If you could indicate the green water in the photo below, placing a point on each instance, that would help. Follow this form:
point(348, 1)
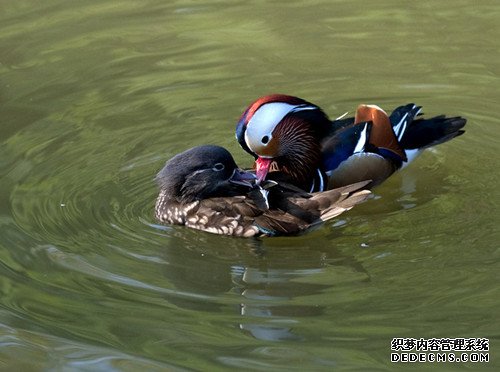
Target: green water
point(96, 95)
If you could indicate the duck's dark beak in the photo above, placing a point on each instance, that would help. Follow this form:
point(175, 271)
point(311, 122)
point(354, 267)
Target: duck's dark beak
point(243, 178)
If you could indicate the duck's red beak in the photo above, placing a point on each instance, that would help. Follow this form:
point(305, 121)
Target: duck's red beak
point(262, 166)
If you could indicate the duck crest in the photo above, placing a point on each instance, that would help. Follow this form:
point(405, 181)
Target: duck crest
point(256, 126)
point(257, 104)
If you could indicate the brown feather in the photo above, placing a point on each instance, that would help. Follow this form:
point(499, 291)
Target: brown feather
point(381, 134)
point(360, 167)
point(299, 151)
point(239, 216)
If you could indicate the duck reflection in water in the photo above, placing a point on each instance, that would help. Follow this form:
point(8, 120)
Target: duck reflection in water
point(264, 287)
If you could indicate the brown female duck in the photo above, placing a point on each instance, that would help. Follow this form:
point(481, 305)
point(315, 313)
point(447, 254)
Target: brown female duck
point(202, 188)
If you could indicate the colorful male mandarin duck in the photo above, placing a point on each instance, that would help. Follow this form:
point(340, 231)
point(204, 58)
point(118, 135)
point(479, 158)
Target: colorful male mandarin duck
point(202, 188)
point(296, 137)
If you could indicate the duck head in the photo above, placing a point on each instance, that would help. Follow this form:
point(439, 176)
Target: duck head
point(202, 172)
point(283, 133)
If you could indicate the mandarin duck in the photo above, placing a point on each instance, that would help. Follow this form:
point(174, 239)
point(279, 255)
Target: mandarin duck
point(202, 188)
point(296, 138)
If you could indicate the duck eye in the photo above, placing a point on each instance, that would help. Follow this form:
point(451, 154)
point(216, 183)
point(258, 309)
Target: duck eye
point(265, 139)
point(218, 167)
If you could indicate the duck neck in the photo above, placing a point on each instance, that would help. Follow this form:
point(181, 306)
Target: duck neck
point(300, 156)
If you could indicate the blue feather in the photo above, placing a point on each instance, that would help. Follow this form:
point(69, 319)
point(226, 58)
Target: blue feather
point(346, 142)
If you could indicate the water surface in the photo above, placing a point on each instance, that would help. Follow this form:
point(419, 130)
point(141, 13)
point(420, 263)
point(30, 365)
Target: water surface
point(95, 96)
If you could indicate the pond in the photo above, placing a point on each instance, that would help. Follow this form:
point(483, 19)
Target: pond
point(95, 96)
